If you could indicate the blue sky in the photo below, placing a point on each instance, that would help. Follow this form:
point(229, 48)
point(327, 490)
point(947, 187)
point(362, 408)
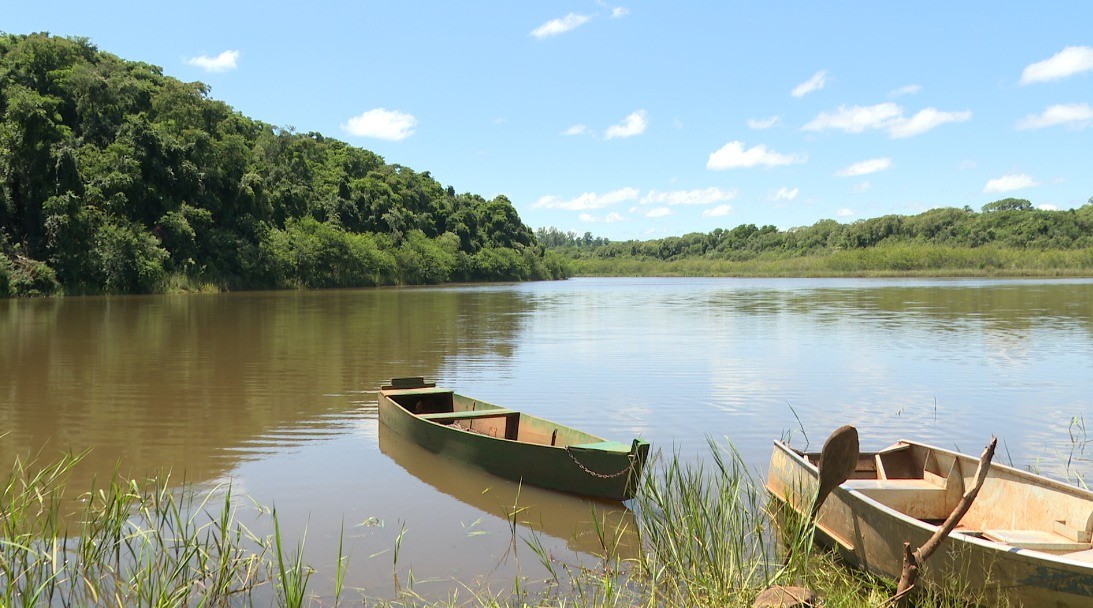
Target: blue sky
point(648, 119)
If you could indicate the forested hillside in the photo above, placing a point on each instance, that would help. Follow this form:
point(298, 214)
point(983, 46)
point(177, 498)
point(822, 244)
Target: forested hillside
point(1006, 235)
point(117, 179)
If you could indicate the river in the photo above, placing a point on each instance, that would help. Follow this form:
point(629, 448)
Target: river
point(274, 393)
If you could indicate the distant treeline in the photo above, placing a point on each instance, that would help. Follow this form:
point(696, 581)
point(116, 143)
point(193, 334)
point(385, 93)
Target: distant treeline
point(117, 179)
point(1006, 234)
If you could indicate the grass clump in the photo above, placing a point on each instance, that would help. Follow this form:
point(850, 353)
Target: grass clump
point(130, 543)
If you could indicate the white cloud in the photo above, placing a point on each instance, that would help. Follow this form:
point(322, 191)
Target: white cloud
point(785, 194)
point(887, 116)
point(659, 212)
point(1008, 183)
point(381, 123)
point(1047, 207)
point(614, 217)
point(588, 200)
point(634, 124)
point(706, 196)
point(763, 123)
point(856, 119)
point(865, 167)
point(619, 11)
point(845, 212)
point(1076, 115)
point(586, 217)
point(576, 130)
point(560, 26)
point(718, 211)
point(221, 63)
point(817, 82)
point(1067, 62)
point(862, 187)
point(968, 163)
point(733, 156)
point(924, 121)
point(910, 89)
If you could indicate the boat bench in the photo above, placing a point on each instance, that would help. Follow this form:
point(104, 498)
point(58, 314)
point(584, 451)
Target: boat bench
point(917, 498)
point(467, 415)
point(1038, 540)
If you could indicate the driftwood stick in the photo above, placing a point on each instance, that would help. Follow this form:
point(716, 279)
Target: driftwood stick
point(912, 560)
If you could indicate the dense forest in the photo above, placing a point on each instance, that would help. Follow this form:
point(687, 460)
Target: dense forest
point(117, 179)
point(1006, 235)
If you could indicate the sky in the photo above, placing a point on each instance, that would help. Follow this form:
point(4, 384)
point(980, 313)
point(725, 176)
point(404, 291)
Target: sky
point(640, 120)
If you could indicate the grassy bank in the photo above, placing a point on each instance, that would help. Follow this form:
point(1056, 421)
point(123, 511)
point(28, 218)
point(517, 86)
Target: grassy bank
point(886, 261)
point(707, 535)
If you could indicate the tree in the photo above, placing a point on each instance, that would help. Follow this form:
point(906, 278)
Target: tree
point(1008, 204)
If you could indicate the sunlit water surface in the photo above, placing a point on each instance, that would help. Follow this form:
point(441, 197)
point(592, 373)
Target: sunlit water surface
point(274, 393)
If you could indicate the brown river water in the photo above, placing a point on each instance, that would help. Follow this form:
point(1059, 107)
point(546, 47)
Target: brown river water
point(274, 394)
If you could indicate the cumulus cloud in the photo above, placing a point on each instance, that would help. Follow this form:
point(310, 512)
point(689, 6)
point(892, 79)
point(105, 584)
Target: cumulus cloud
point(887, 116)
point(1008, 183)
point(1067, 62)
point(924, 121)
point(817, 82)
point(706, 196)
point(855, 119)
point(865, 167)
point(586, 217)
point(910, 89)
point(1047, 207)
point(733, 156)
point(862, 187)
point(560, 26)
point(619, 11)
point(588, 200)
point(763, 123)
point(1076, 115)
point(659, 212)
point(718, 211)
point(228, 60)
point(845, 212)
point(613, 217)
point(381, 123)
point(785, 194)
point(634, 124)
point(576, 130)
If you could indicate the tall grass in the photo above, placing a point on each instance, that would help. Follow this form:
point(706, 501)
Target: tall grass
point(132, 543)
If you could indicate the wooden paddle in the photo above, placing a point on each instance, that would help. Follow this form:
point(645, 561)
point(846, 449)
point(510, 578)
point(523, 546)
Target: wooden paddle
point(838, 459)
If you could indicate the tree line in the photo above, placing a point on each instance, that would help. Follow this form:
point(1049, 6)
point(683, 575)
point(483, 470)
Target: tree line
point(1009, 223)
point(117, 179)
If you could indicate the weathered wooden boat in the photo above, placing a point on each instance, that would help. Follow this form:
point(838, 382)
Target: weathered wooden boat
point(1026, 538)
point(511, 444)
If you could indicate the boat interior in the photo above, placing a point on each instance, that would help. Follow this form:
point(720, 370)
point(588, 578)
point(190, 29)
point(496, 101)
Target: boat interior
point(1013, 507)
point(445, 407)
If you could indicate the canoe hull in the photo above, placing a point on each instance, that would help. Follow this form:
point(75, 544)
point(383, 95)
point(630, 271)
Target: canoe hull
point(517, 446)
point(869, 534)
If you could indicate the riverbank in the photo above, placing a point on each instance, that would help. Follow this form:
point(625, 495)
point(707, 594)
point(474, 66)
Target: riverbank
point(890, 261)
point(708, 540)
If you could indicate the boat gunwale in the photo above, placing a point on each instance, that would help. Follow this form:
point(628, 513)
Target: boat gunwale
point(1032, 554)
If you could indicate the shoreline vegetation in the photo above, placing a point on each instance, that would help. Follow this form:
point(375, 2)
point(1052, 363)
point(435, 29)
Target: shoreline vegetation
point(708, 538)
point(1007, 238)
point(117, 179)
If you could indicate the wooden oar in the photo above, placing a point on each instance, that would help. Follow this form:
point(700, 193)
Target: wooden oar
point(838, 459)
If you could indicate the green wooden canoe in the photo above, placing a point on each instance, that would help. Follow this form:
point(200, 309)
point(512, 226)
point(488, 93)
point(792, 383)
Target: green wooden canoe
point(511, 444)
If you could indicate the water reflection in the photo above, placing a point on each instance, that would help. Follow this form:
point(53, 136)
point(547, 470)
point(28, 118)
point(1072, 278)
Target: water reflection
point(576, 521)
point(197, 383)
